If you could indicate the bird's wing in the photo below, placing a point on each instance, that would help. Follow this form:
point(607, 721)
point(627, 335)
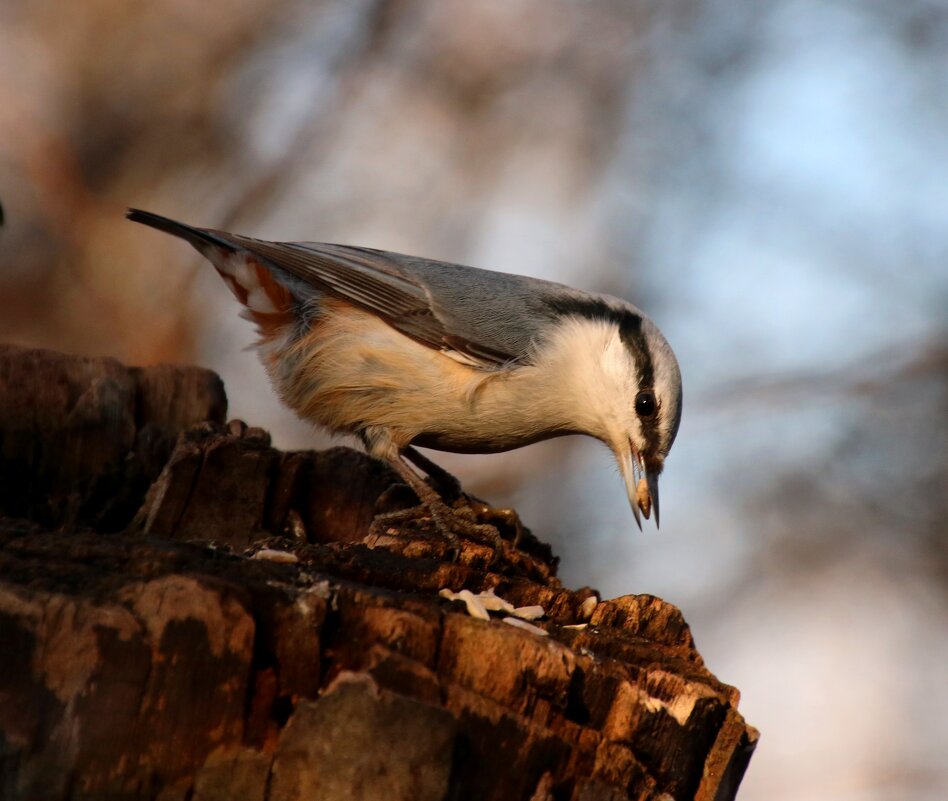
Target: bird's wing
point(485, 318)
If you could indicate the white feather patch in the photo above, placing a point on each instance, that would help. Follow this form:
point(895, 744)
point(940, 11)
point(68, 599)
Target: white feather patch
point(258, 300)
point(461, 358)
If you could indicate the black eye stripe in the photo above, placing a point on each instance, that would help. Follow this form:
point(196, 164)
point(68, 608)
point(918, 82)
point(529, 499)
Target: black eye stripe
point(631, 328)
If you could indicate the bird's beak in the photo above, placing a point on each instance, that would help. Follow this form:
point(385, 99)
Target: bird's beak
point(641, 483)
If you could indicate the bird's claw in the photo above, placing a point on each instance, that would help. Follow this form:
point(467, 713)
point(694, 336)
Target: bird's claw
point(481, 510)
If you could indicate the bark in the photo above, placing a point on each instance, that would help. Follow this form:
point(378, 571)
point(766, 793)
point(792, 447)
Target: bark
point(189, 613)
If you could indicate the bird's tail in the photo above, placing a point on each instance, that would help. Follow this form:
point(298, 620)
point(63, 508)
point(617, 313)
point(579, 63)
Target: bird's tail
point(259, 286)
point(199, 237)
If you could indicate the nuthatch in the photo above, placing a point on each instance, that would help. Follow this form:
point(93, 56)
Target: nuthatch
point(404, 351)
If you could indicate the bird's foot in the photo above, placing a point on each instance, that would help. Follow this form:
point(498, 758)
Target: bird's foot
point(475, 509)
point(461, 519)
point(449, 522)
point(402, 516)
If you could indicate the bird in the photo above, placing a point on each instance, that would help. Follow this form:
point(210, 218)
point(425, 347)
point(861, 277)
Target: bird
point(406, 352)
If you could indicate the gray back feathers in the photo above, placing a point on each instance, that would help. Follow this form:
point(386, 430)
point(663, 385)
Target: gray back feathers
point(492, 318)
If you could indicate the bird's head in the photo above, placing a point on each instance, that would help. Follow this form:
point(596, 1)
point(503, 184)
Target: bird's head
point(649, 422)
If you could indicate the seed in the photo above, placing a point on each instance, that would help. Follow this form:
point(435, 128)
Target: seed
point(642, 498)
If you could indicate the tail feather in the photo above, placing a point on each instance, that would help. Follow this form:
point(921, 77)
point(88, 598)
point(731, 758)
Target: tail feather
point(258, 285)
point(199, 237)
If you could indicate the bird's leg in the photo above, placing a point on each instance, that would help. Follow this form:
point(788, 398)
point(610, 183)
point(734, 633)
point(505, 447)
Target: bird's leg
point(448, 485)
point(451, 487)
point(430, 500)
point(445, 518)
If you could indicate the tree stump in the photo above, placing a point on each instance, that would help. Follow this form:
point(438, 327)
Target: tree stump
point(188, 614)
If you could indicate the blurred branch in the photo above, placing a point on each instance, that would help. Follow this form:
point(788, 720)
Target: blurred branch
point(873, 375)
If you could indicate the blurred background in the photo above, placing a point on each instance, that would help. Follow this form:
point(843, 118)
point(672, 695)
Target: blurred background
point(768, 180)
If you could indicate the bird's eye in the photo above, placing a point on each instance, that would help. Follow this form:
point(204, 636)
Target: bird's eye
point(645, 403)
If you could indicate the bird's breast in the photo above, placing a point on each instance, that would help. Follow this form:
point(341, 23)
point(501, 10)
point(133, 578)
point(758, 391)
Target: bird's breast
point(351, 370)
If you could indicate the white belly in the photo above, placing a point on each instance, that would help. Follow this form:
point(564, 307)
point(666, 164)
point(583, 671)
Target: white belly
point(354, 372)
